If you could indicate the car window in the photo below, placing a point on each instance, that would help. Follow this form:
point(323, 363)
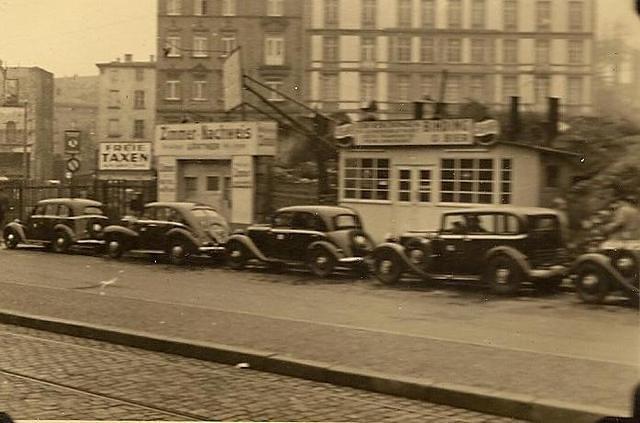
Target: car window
point(92, 210)
point(51, 210)
point(480, 223)
point(308, 221)
point(174, 215)
point(346, 221)
point(149, 213)
point(38, 211)
point(454, 224)
point(507, 224)
point(64, 211)
point(207, 217)
point(163, 213)
point(544, 223)
point(283, 220)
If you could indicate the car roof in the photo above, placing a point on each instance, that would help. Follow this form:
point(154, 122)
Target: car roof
point(181, 205)
point(72, 202)
point(517, 210)
point(319, 210)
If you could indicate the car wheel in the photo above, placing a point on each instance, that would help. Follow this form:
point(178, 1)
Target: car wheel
point(115, 247)
point(178, 252)
point(321, 262)
point(387, 267)
point(592, 283)
point(11, 239)
point(237, 255)
point(61, 242)
point(504, 275)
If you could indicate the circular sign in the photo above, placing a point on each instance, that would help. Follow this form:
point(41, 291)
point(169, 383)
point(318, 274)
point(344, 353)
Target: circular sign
point(72, 142)
point(73, 164)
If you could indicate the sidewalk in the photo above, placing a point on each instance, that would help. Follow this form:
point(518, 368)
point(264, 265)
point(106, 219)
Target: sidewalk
point(522, 384)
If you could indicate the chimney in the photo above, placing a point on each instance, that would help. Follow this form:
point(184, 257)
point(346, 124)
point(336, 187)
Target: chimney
point(128, 58)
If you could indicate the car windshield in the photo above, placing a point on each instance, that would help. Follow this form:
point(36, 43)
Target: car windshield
point(207, 217)
point(92, 210)
point(346, 221)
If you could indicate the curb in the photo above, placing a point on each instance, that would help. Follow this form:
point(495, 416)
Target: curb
point(521, 407)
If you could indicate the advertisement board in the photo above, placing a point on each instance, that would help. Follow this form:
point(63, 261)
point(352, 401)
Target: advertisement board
point(242, 172)
point(124, 156)
point(232, 80)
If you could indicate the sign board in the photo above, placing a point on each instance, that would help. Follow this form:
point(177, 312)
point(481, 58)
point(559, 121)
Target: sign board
point(124, 156)
point(439, 132)
point(216, 140)
point(232, 80)
point(73, 165)
point(242, 172)
point(72, 141)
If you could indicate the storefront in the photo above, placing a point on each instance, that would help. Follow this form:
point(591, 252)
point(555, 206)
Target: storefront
point(214, 164)
point(401, 175)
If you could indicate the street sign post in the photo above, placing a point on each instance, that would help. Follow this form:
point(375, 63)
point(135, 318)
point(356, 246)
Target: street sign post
point(72, 141)
point(73, 165)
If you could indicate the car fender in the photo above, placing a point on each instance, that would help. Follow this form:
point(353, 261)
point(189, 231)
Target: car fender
point(249, 245)
point(604, 263)
point(64, 228)
point(327, 246)
point(120, 230)
point(514, 254)
point(182, 233)
point(400, 252)
point(18, 228)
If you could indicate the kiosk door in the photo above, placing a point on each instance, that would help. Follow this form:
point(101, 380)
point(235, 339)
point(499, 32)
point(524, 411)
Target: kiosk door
point(413, 188)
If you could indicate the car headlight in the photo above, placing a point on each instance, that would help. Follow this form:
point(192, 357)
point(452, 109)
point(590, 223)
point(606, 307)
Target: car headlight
point(96, 227)
point(625, 263)
point(360, 241)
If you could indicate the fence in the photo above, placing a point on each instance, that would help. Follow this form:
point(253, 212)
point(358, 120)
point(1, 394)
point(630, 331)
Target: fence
point(118, 196)
point(285, 193)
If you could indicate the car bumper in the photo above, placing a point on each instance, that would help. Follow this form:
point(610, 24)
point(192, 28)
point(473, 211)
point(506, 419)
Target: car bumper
point(91, 242)
point(351, 260)
point(211, 250)
point(551, 272)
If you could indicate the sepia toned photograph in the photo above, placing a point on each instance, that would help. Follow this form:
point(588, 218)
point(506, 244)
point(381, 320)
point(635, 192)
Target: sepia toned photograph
point(320, 211)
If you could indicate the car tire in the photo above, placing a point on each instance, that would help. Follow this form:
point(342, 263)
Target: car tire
point(592, 283)
point(321, 262)
point(11, 239)
point(387, 267)
point(115, 247)
point(503, 275)
point(178, 252)
point(61, 242)
point(237, 255)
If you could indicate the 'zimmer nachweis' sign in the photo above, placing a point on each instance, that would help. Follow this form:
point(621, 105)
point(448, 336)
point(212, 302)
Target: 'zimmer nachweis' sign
point(124, 156)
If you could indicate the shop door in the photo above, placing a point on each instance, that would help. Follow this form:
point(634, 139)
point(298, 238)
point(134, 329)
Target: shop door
point(414, 188)
point(207, 182)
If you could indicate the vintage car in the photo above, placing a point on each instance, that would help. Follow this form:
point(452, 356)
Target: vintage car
point(177, 229)
point(614, 267)
point(501, 246)
point(322, 237)
point(59, 224)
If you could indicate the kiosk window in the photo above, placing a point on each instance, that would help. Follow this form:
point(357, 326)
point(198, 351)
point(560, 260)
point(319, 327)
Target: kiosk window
point(366, 179)
point(467, 181)
point(213, 183)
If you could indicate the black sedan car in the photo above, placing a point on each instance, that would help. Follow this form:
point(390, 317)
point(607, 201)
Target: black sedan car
point(323, 237)
point(59, 224)
point(177, 229)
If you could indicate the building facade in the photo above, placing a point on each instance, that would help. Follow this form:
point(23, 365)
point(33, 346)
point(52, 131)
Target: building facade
point(397, 52)
point(195, 37)
point(126, 118)
point(28, 99)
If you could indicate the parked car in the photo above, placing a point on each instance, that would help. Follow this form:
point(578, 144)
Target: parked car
point(323, 237)
point(501, 246)
point(615, 267)
point(59, 223)
point(177, 229)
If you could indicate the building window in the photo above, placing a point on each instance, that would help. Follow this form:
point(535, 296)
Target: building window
point(403, 49)
point(275, 7)
point(331, 12)
point(200, 89)
point(404, 13)
point(477, 87)
point(369, 12)
point(228, 44)
point(510, 15)
point(510, 51)
point(428, 87)
point(228, 7)
point(405, 182)
point(200, 7)
point(467, 181)
point(574, 88)
point(453, 93)
point(428, 14)
point(138, 128)
point(454, 50)
point(200, 47)
point(172, 90)
point(138, 99)
point(552, 179)
point(114, 99)
point(11, 131)
point(454, 14)
point(576, 51)
point(542, 52)
point(506, 179)
point(275, 84)
point(402, 88)
point(329, 87)
point(213, 183)
point(113, 128)
point(478, 51)
point(174, 7)
point(542, 89)
point(191, 183)
point(576, 16)
point(274, 50)
point(366, 179)
point(427, 50)
point(368, 87)
point(172, 49)
point(368, 50)
point(543, 15)
point(478, 14)
point(139, 75)
point(330, 49)
point(509, 87)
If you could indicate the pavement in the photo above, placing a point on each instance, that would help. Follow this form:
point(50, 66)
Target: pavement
point(499, 376)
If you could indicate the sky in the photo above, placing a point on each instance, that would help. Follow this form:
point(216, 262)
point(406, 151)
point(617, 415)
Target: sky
point(68, 37)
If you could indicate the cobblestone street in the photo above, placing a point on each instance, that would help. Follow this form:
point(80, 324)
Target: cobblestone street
point(47, 376)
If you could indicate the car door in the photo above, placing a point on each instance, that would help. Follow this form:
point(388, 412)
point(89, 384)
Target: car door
point(304, 231)
point(480, 238)
point(34, 226)
point(453, 239)
point(277, 238)
point(146, 228)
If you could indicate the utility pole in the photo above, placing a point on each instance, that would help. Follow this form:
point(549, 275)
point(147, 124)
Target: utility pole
point(25, 141)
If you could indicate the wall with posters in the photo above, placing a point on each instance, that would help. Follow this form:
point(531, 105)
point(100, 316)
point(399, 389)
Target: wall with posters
point(205, 149)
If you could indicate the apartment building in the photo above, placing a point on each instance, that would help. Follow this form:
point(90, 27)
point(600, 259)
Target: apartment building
point(126, 117)
point(195, 37)
point(400, 51)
